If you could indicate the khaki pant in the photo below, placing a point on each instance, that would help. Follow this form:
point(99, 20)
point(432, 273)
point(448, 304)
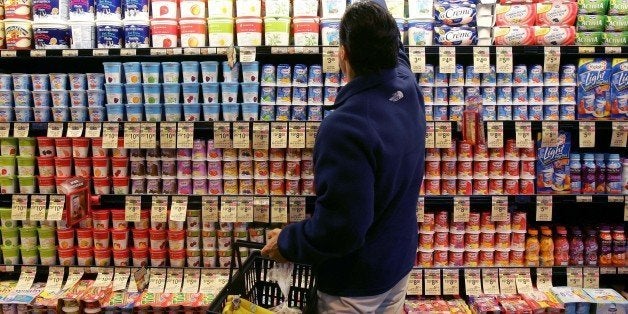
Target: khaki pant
point(390, 302)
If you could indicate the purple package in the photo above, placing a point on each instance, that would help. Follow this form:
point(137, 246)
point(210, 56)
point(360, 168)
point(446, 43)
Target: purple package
point(138, 186)
point(138, 168)
point(199, 186)
point(441, 79)
point(284, 95)
point(213, 154)
point(454, 13)
point(520, 95)
point(504, 95)
point(504, 112)
point(299, 95)
point(568, 112)
point(168, 168)
point(457, 78)
point(153, 168)
point(472, 78)
point(314, 113)
point(214, 187)
point(184, 168)
point(535, 95)
point(593, 97)
point(199, 147)
point(440, 113)
point(520, 112)
point(489, 95)
point(520, 75)
point(298, 113)
point(550, 112)
point(427, 78)
point(184, 154)
point(552, 166)
point(153, 154)
point(169, 186)
point(535, 75)
point(168, 154)
point(551, 95)
point(535, 112)
point(455, 36)
point(455, 112)
point(214, 169)
point(567, 95)
point(619, 89)
point(489, 113)
point(428, 94)
point(184, 186)
point(153, 186)
point(441, 96)
point(199, 169)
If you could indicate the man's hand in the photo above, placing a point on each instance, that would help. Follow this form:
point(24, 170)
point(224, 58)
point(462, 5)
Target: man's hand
point(271, 250)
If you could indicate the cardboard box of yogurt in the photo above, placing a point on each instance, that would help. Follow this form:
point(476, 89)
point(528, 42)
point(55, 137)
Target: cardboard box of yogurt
point(594, 80)
point(619, 89)
point(607, 301)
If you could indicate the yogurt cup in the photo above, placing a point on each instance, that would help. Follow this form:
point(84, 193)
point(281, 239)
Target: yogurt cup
point(7, 184)
point(82, 167)
point(5, 80)
point(193, 240)
point(152, 93)
point(46, 147)
point(63, 147)
point(190, 92)
point(164, 31)
point(28, 236)
point(119, 167)
point(23, 114)
point(220, 9)
point(136, 34)
point(250, 111)
point(19, 33)
point(177, 258)
point(133, 93)
point(210, 93)
point(78, 114)
point(29, 254)
point(330, 31)
point(63, 167)
point(305, 31)
point(7, 165)
point(192, 112)
point(11, 255)
point(229, 92)
point(211, 112)
point(6, 114)
point(60, 114)
point(101, 238)
point(21, 81)
point(165, 9)
point(108, 10)
point(139, 257)
point(100, 219)
point(172, 92)
point(10, 236)
point(83, 33)
point(250, 72)
point(209, 71)
point(277, 31)
point(121, 258)
point(140, 238)
point(66, 238)
point(230, 112)
point(150, 72)
point(100, 166)
point(172, 112)
point(120, 186)
point(109, 34)
point(134, 113)
point(113, 75)
point(209, 258)
point(67, 256)
point(97, 150)
point(26, 184)
point(249, 31)
point(48, 256)
point(8, 147)
point(85, 257)
point(192, 9)
point(132, 72)
point(46, 236)
point(40, 82)
point(153, 113)
point(118, 219)
point(26, 146)
point(115, 112)
point(220, 32)
point(136, 10)
point(55, 35)
point(78, 81)
point(102, 186)
point(176, 239)
point(78, 98)
point(60, 98)
point(22, 98)
point(306, 8)
point(250, 92)
point(46, 185)
point(6, 97)
point(190, 71)
point(158, 258)
point(193, 30)
point(193, 258)
point(248, 8)
point(81, 10)
point(80, 147)
point(25, 165)
point(5, 219)
point(120, 238)
point(85, 238)
point(96, 114)
point(95, 98)
point(170, 71)
point(157, 239)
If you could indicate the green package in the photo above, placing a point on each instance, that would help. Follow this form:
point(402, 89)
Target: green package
point(591, 23)
point(616, 38)
point(589, 38)
point(593, 6)
point(618, 7)
point(617, 23)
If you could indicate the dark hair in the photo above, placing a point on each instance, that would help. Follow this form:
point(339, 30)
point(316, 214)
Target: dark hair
point(370, 36)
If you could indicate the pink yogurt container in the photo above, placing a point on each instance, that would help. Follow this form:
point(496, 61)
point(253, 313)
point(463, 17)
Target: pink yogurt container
point(85, 257)
point(100, 219)
point(67, 256)
point(118, 219)
point(84, 238)
point(63, 146)
point(158, 239)
point(80, 147)
point(121, 258)
point(65, 238)
point(46, 147)
point(102, 257)
point(101, 238)
point(140, 238)
point(139, 256)
point(144, 222)
point(121, 185)
point(158, 258)
point(120, 238)
point(177, 258)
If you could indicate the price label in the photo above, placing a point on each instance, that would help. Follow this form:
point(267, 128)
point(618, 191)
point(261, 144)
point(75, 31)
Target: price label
point(587, 134)
point(8, 53)
point(241, 136)
point(481, 60)
point(206, 280)
point(296, 135)
point(132, 133)
point(222, 135)
point(310, 134)
point(228, 209)
point(55, 208)
point(193, 51)
point(584, 198)
point(158, 52)
point(69, 53)
point(279, 210)
point(523, 135)
point(21, 129)
point(420, 209)
point(504, 60)
point(499, 208)
point(128, 52)
point(278, 135)
point(619, 138)
point(430, 135)
point(185, 135)
point(417, 59)
point(447, 57)
point(451, 282)
point(261, 209)
point(524, 283)
point(27, 277)
point(132, 208)
point(462, 205)
point(247, 54)
point(209, 209)
point(174, 280)
point(490, 281)
point(544, 208)
point(121, 279)
point(110, 135)
point(591, 278)
point(100, 52)
point(586, 50)
point(74, 129)
point(495, 134)
point(574, 277)
point(612, 50)
point(261, 135)
point(75, 274)
point(104, 278)
point(552, 59)
point(157, 282)
point(297, 209)
point(550, 134)
point(168, 135)
point(55, 130)
point(179, 208)
point(443, 131)
point(38, 207)
point(507, 281)
point(93, 130)
point(608, 270)
point(615, 199)
point(245, 209)
point(432, 282)
point(38, 53)
point(4, 129)
point(472, 283)
point(19, 207)
point(55, 279)
point(148, 137)
point(191, 281)
point(331, 61)
point(626, 209)
point(415, 282)
point(159, 209)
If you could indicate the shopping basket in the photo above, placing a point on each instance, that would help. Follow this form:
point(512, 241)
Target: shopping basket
point(251, 282)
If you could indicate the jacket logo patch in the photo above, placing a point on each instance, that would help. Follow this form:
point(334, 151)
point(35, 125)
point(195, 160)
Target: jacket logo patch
point(396, 96)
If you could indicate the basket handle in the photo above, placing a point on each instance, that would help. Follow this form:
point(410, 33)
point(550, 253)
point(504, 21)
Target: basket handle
point(236, 253)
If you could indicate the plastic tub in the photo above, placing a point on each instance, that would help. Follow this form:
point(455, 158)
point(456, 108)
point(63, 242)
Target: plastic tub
point(11, 255)
point(250, 111)
point(158, 239)
point(109, 10)
point(176, 239)
point(139, 257)
point(40, 82)
point(121, 258)
point(277, 8)
point(26, 146)
point(6, 114)
point(10, 236)
point(113, 75)
point(136, 35)
point(306, 8)
point(153, 113)
point(52, 36)
point(85, 238)
point(219, 9)
point(248, 8)
point(330, 31)
point(136, 10)
point(250, 72)
point(164, 9)
point(220, 32)
point(67, 256)
point(250, 92)
point(17, 9)
point(211, 112)
point(192, 9)
point(82, 10)
point(209, 71)
point(21, 81)
point(229, 92)
point(109, 34)
point(96, 114)
point(66, 238)
point(78, 114)
point(82, 167)
point(190, 70)
point(190, 92)
point(230, 112)
point(150, 72)
point(120, 238)
point(78, 98)
point(172, 112)
point(23, 114)
point(192, 112)
point(134, 113)
point(249, 31)
point(96, 81)
point(277, 31)
point(114, 93)
point(120, 186)
point(83, 34)
point(60, 98)
point(25, 165)
point(5, 79)
point(102, 257)
point(101, 238)
point(80, 147)
point(60, 114)
point(333, 8)
point(22, 98)
point(164, 33)
point(210, 92)
point(85, 257)
point(152, 93)
point(115, 112)
point(132, 72)
point(133, 93)
point(102, 186)
point(172, 93)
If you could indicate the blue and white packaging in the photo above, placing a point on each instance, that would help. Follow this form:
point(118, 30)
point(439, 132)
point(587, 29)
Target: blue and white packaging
point(52, 36)
point(455, 36)
point(455, 13)
point(315, 95)
point(109, 34)
point(136, 34)
point(504, 112)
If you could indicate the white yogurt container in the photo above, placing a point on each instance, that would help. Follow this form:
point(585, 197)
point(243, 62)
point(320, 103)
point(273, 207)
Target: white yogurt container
point(192, 9)
point(18, 33)
point(220, 32)
point(333, 8)
point(50, 10)
point(249, 31)
point(193, 32)
point(83, 35)
point(277, 8)
point(52, 35)
point(397, 8)
point(248, 8)
point(277, 31)
point(164, 9)
point(164, 33)
point(305, 8)
point(220, 9)
point(306, 31)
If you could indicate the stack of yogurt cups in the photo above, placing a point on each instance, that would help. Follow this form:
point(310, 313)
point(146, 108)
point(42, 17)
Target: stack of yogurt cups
point(170, 18)
point(17, 26)
point(220, 23)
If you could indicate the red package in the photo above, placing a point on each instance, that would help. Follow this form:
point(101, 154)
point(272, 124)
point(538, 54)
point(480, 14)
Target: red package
point(555, 35)
point(514, 35)
point(556, 13)
point(515, 14)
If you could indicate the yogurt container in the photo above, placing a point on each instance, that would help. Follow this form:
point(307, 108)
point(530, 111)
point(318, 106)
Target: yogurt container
point(330, 31)
point(41, 114)
point(83, 34)
point(190, 93)
point(11, 255)
point(136, 10)
point(209, 71)
point(78, 81)
point(306, 8)
point(220, 9)
point(164, 9)
point(192, 9)
point(277, 31)
point(23, 114)
point(114, 93)
point(136, 34)
point(249, 31)
point(5, 80)
point(150, 72)
point(81, 10)
point(22, 98)
point(50, 10)
point(20, 81)
point(133, 93)
point(250, 111)
point(2, 37)
point(220, 32)
point(18, 34)
point(172, 92)
point(17, 9)
point(305, 31)
point(152, 93)
point(109, 34)
point(210, 93)
point(248, 8)
point(193, 31)
point(115, 112)
point(134, 112)
point(164, 33)
point(229, 92)
point(102, 257)
point(190, 71)
point(211, 112)
point(277, 8)
point(29, 254)
point(333, 8)
point(420, 32)
point(172, 112)
point(250, 92)
point(67, 256)
point(108, 10)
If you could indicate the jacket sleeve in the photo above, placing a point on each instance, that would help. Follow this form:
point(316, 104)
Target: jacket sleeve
point(402, 57)
point(344, 166)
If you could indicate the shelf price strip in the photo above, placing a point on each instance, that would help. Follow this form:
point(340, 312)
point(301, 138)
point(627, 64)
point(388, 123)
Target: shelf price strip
point(174, 280)
point(21, 129)
point(495, 134)
point(93, 130)
point(261, 135)
point(619, 136)
point(499, 208)
point(261, 209)
point(279, 210)
point(110, 135)
point(504, 62)
point(55, 130)
point(121, 279)
point(168, 135)
point(191, 280)
point(4, 129)
point(462, 205)
point(132, 208)
point(245, 209)
point(296, 209)
point(552, 59)
point(481, 60)
point(159, 209)
point(55, 279)
point(75, 274)
point(222, 135)
point(228, 209)
point(523, 135)
point(132, 132)
point(278, 135)
point(310, 133)
point(523, 281)
point(296, 135)
point(185, 135)
point(148, 136)
point(75, 130)
point(241, 135)
point(209, 209)
point(591, 277)
point(420, 209)
point(157, 281)
point(27, 277)
point(447, 58)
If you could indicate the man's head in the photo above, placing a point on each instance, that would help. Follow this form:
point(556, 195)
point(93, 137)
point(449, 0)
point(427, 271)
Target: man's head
point(369, 39)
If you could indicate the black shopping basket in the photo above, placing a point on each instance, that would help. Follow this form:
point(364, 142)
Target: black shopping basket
point(251, 282)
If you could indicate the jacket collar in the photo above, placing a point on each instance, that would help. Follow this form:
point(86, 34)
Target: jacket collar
point(362, 83)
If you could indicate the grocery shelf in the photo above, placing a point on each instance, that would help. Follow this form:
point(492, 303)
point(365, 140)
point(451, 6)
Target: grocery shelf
point(97, 269)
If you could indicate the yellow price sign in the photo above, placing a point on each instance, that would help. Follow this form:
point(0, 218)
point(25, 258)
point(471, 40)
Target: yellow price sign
point(415, 282)
point(586, 134)
point(241, 135)
point(462, 208)
point(490, 281)
point(574, 277)
point(523, 135)
point(261, 135)
point(432, 282)
point(447, 57)
point(185, 135)
point(278, 135)
point(168, 135)
point(451, 282)
point(472, 282)
point(209, 209)
point(93, 130)
point(504, 62)
point(222, 135)
point(228, 209)
point(279, 210)
point(132, 132)
point(417, 59)
point(481, 60)
point(261, 209)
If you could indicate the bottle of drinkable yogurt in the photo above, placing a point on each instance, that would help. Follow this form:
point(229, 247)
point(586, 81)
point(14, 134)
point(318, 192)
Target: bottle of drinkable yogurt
point(575, 172)
point(613, 175)
point(588, 174)
point(625, 177)
point(600, 174)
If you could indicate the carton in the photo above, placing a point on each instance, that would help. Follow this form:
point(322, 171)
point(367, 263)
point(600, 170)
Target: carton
point(607, 301)
point(593, 97)
point(619, 89)
point(552, 166)
point(575, 300)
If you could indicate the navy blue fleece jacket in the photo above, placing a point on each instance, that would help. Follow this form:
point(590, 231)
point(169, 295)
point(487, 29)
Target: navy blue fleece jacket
point(369, 162)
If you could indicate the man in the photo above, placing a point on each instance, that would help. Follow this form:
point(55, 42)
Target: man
point(369, 162)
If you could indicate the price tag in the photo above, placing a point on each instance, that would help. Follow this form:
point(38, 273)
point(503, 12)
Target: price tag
point(507, 281)
point(462, 205)
point(261, 135)
point(420, 209)
point(104, 278)
point(430, 135)
point(415, 282)
point(499, 208)
point(159, 209)
point(586, 50)
point(185, 135)
point(55, 208)
point(100, 52)
point(619, 138)
point(296, 135)
point(191, 281)
point(76, 273)
point(247, 54)
point(297, 209)
point(174, 51)
point(38, 53)
point(481, 60)
point(490, 281)
point(626, 209)
point(222, 135)
point(20, 129)
point(27, 277)
point(158, 52)
point(550, 134)
point(608, 270)
point(168, 135)
point(241, 136)
point(331, 61)
point(504, 60)
point(615, 199)
point(209, 209)
point(93, 130)
point(55, 130)
point(192, 51)
point(121, 279)
point(591, 278)
point(132, 135)
point(523, 135)
point(55, 279)
point(174, 280)
point(279, 210)
point(587, 134)
point(4, 130)
point(19, 207)
point(128, 52)
point(74, 130)
point(574, 277)
point(443, 131)
point(584, 198)
point(552, 59)
point(245, 209)
point(38, 207)
point(132, 208)
point(69, 53)
point(472, 283)
point(495, 134)
point(544, 208)
point(417, 59)
point(206, 280)
point(451, 282)
point(157, 282)
point(148, 137)
point(432, 282)
point(310, 134)
point(8, 53)
point(447, 56)
point(278, 135)
point(612, 50)
point(228, 209)
point(261, 209)
point(110, 135)
point(524, 283)
point(179, 208)
point(622, 270)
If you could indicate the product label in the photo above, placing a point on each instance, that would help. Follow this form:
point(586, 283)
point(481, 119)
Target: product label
point(136, 36)
point(82, 7)
point(17, 36)
point(108, 7)
point(52, 38)
point(136, 9)
point(110, 36)
point(43, 9)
